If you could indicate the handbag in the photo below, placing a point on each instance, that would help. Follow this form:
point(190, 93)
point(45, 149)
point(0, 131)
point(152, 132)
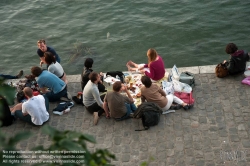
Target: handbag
point(221, 70)
point(188, 78)
point(185, 97)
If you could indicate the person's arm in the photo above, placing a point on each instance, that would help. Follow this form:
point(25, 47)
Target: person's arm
point(128, 93)
point(24, 111)
point(96, 95)
point(151, 73)
point(106, 109)
point(44, 90)
point(162, 92)
point(55, 54)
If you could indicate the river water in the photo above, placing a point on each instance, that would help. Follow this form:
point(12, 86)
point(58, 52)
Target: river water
point(184, 32)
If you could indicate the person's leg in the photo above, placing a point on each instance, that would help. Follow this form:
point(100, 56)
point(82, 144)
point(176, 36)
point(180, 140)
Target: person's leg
point(95, 108)
point(27, 118)
point(178, 100)
point(46, 103)
point(56, 97)
point(5, 76)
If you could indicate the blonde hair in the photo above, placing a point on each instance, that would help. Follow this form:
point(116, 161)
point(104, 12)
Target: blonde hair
point(152, 55)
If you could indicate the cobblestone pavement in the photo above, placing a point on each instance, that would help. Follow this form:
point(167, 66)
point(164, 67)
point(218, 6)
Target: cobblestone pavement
point(215, 132)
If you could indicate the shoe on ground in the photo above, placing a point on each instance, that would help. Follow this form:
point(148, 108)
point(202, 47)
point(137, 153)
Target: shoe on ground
point(58, 112)
point(175, 107)
point(188, 106)
point(66, 110)
point(131, 115)
point(96, 117)
point(167, 111)
point(20, 74)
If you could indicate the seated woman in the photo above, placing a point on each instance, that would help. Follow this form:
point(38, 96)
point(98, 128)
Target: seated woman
point(54, 67)
point(85, 75)
point(238, 58)
point(155, 64)
point(151, 92)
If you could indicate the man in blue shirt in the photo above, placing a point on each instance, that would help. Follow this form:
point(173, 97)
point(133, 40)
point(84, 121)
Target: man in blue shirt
point(42, 48)
point(46, 80)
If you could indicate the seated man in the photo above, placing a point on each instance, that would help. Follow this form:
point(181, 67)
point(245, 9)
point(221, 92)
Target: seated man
point(57, 88)
point(238, 58)
point(19, 75)
point(42, 48)
point(120, 106)
point(34, 110)
point(151, 92)
point(91, 97)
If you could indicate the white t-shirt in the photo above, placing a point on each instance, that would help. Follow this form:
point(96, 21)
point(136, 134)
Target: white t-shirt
point(36, 108)
point(56, 69)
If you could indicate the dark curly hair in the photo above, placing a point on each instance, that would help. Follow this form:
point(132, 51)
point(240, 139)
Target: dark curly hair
point(231, 48)
point(88, 63)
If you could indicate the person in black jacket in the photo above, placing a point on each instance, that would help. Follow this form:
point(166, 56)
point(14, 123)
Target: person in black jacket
point(238, 59)
point(85, 75)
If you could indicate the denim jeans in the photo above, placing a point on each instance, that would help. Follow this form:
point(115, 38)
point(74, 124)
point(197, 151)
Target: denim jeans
point(27, 118)
point(130, 109)
point(8, 76)
point(56, 97)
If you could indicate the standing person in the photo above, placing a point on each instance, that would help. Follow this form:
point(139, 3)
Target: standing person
point(42, 48)
point(238, 59)
point(54, 67)
point(121, 107)
point(85, 75)
point(6, 76)
point(155, 65)
point(153, 93)
point(34, 110)
point(57, 88)
point(92, 99)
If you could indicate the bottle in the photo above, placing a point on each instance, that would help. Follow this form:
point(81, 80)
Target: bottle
point(117, 77)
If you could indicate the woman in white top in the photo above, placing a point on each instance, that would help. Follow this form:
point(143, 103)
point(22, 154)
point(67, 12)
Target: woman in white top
point(54, 67)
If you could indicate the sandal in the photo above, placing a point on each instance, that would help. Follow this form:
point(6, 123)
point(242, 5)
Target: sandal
point(188, 106)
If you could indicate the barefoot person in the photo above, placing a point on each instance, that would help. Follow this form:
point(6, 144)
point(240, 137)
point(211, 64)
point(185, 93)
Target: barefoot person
point(155, 64)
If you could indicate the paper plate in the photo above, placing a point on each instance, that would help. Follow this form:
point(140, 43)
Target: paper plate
point(247, 73)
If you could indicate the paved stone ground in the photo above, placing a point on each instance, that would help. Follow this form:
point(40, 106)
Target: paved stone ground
point(216, 129)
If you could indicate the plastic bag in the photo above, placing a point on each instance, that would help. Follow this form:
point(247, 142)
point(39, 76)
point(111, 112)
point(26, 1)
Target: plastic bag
point(246, 81)
point(181, 87)
point(174, 74)
point(168, 87)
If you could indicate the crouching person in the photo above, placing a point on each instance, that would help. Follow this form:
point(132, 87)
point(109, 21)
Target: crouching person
point(34, 110)
point(120, 106)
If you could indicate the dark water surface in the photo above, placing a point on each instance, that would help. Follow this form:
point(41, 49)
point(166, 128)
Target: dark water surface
point(184, 32)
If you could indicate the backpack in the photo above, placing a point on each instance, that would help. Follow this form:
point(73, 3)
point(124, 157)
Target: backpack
point(221, 70)
point(116, 73)
point(188, 78)
point(149, 113)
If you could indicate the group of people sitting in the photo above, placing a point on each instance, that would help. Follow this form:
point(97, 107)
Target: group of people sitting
point(113, 104)
point(52, 84)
